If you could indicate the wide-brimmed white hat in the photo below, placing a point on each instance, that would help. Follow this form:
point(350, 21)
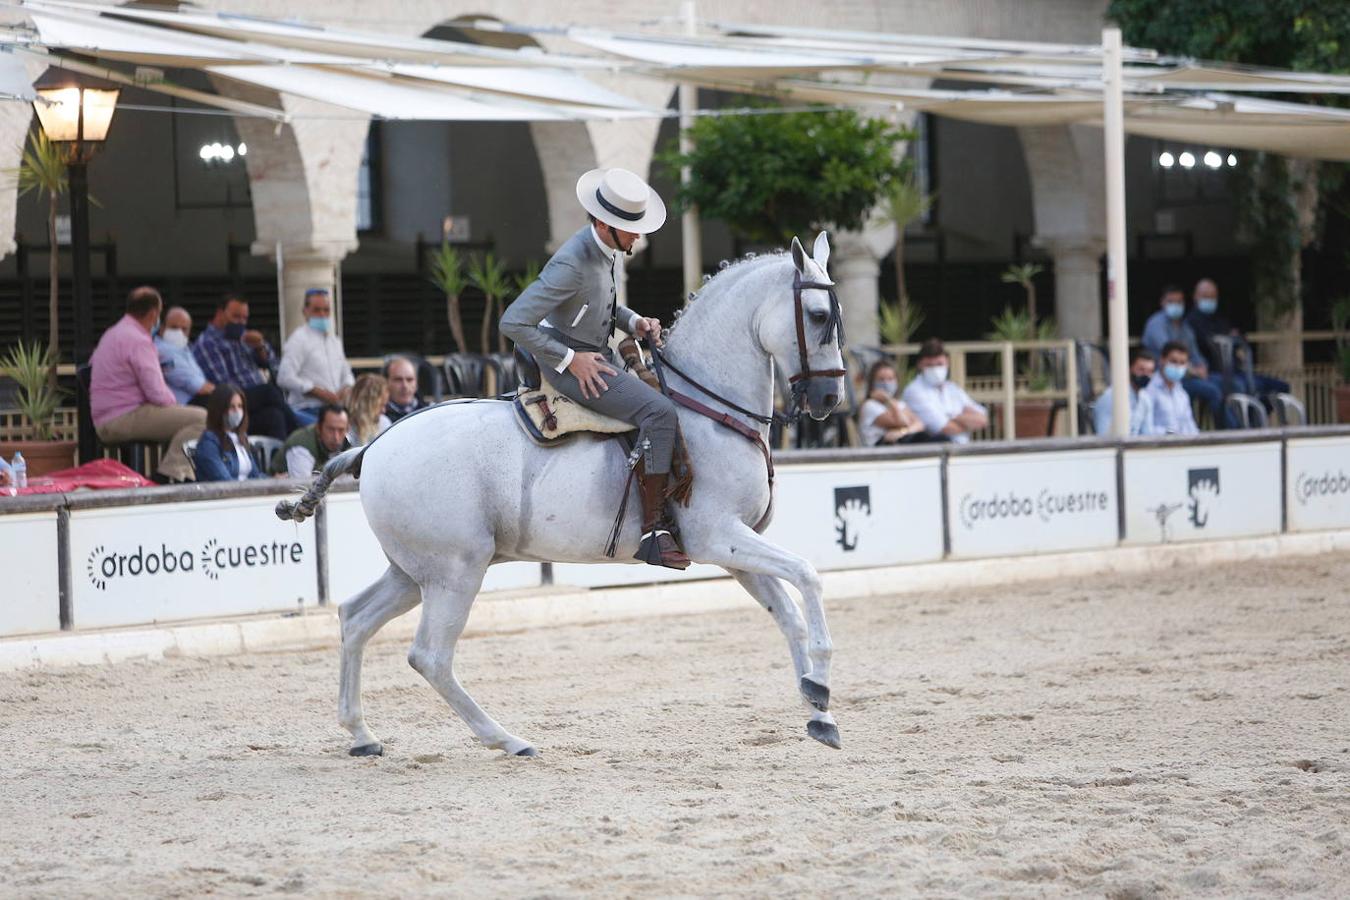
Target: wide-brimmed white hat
point(619, 198)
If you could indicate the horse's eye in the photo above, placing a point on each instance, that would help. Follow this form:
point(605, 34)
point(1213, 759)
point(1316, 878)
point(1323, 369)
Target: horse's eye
point(819, 317)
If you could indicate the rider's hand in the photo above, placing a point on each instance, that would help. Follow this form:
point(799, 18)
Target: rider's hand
point(587, 369)
point(648, 328)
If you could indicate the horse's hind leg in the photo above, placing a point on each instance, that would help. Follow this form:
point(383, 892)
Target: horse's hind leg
point(773, 597)
point(392, 594)
point(445, 611)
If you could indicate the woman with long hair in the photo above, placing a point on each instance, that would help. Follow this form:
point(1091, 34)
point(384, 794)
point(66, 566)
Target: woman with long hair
point(370, 394)
point(223, 452)
point(883, 418)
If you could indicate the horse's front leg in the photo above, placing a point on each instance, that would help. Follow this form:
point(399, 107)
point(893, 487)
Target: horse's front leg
point(737, 547)
point(770, 593)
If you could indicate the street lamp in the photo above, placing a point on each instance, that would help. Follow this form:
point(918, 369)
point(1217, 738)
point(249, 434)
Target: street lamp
point(77, 119)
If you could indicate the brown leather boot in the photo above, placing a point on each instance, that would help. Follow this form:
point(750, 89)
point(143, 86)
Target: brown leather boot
point(658, 547)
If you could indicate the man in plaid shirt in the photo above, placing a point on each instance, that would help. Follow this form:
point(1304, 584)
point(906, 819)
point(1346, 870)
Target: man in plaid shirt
point(229, 353)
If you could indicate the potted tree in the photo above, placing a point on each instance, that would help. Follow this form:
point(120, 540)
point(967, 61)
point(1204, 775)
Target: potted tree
point(1031, 415)
point(447, 273)
point(904, 202)
point(488, 275)
point(38, 400)
point(1340, 321)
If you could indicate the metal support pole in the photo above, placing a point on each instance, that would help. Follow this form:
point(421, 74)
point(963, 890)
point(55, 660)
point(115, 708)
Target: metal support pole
point(83, 296)
point(1117, 288)
point(690, 232)
point(1009, 392)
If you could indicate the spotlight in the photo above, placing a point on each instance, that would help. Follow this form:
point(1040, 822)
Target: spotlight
point(226, 153)
point(1166, 160)
point(1187, 160)
point(243, 149)
point(1213, 160)
point(206, 153)
point(1232, 160)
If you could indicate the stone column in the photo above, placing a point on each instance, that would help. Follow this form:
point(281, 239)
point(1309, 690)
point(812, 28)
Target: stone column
point(1078, 300)
point(855, 266)
point(303, 266)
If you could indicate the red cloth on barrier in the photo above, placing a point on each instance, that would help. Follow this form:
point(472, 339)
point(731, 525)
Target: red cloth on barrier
point(99, 475)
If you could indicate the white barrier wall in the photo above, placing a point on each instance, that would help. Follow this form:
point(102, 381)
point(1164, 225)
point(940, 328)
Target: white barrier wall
point(355, 558)
point(30, 600)
point(154, 563)
point(1204, 492)
point(1012, 504)
point(1317, 483)
point(837, 515)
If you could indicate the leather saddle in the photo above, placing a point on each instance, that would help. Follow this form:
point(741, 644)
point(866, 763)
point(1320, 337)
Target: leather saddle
point(547, 416)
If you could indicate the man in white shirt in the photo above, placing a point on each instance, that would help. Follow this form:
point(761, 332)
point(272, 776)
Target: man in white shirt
point(314, 369)
point(1141, 402)
point(1171, 404)
point(942, 406)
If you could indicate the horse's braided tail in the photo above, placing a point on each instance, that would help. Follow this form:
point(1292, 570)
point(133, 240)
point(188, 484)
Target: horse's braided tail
point(340, 465)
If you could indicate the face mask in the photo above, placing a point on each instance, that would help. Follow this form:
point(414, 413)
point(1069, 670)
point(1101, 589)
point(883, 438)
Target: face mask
point(234, 331)
point(887, 387)
point(175, 337)
point(1139, 381)
point(935, 375)
point(154, 332)
point(1207, 305)
point(321, 325)
point(1174, 371)
point(234, 418)
point(1174, 310)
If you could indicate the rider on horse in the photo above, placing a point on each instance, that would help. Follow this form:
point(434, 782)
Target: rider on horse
point(567, 316)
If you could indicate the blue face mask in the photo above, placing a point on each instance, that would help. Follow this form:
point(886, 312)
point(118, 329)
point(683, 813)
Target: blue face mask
point(1174, 310)
point(1207, 305)
point(321, 325)
point(1174, 371)
point(234, 331)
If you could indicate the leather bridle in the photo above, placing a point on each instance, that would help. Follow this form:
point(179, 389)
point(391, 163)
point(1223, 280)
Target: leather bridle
point(834, 325)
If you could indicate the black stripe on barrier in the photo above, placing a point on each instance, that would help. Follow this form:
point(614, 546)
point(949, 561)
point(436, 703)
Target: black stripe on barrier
point(1120, 495)
point(946, 516)
point(1284, 482)
point(321, 552)
point(64, 588)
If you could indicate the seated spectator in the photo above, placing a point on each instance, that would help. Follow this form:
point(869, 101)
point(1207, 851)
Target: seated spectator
point(882, 418)
point(1168, 324)
point(1141, 402)
point(1206, 322)
point(181, 372)
point(370, 395)
point(309, 448)
point(229, 353)
point(1171, 404)
point(6, 473)
point(945, 409)
point(403, 397)
point(128, 398)
point(223, 452)
point(314, 369)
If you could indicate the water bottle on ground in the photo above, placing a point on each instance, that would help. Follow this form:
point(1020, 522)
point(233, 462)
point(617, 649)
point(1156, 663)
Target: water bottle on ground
point(20, 470)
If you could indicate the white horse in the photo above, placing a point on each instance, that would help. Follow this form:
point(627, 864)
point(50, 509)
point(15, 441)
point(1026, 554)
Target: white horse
point(450, 491)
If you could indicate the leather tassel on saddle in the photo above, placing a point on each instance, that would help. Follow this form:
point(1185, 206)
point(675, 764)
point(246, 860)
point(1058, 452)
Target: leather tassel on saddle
point(681, 485)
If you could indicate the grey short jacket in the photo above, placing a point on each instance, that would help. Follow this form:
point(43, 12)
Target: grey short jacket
point(575, 293)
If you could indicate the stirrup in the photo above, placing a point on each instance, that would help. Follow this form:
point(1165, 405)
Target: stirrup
point(657, 552)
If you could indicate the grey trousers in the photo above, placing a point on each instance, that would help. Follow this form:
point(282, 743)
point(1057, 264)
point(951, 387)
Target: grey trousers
point(629, 399)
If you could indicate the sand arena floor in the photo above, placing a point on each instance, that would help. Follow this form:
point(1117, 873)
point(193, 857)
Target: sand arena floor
point(1176, 734)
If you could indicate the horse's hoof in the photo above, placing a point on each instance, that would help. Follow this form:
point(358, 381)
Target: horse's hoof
point(367, 750)
point(817, 694)
point(526, 751)
point(825, 732)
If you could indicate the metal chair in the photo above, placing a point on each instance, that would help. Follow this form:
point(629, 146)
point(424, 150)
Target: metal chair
point(504, 376)
point(1289, 410)
point(1235, 355)
point(1085, 354)
point(264, 450)
point(1247, 410)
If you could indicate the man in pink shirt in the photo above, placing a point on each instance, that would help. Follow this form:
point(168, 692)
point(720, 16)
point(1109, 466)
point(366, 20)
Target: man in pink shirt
point(128, 398)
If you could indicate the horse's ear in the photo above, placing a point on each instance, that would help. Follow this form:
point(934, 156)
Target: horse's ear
point(821, 251)
point(798, 255)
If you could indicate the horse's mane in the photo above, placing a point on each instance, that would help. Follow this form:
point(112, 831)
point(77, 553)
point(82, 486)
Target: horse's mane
point(724, 268)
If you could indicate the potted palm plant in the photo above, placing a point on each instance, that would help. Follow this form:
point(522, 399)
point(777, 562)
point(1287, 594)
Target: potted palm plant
point(1340, 322)
point(488, 275)
point(1031, 415)
point(447, 273)
point(42, 171)
point(38, 400)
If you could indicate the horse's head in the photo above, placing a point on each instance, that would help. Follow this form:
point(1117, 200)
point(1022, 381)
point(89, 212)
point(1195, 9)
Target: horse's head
point(802, 328)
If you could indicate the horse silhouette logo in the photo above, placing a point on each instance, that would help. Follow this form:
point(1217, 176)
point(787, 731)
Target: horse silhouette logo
point(852, 515)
